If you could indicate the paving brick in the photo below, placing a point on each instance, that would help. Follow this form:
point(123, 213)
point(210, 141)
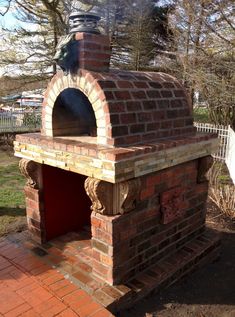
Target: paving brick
point(76, 306)
point(3, 263)
point(66, 290)
point(27, 289)
point(102, 313)
point(68, 313)
point(30, 313)
point(74, 296)
point(53, 279)
point(27, 294)
point(83, 278)
point(40, 270)
point(37, 296)
point(89, 308)
point(18, 311)
point(17, 284)
point(9, 300)
point(59, 284)
point(50, 308)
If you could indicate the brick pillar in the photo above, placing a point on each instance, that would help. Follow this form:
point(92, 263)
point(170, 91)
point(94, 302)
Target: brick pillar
point(34, 199)
point(110, 203)
point(94, 52)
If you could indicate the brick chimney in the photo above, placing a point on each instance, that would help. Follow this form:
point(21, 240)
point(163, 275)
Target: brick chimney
point(94, 51)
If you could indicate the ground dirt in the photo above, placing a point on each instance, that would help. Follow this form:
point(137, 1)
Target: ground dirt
point(210, 292)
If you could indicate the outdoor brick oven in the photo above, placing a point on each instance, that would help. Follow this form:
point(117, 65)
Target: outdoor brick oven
point(121, 144)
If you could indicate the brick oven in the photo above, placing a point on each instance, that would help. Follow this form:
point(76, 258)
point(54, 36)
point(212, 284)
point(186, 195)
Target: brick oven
point(118, 153)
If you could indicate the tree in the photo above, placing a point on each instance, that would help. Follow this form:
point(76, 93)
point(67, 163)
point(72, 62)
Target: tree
point(135, 29)
point(45, 24)
point(138, 33)
point(203, 50)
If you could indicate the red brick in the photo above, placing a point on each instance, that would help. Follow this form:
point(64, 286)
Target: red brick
point(31, 193)
point(72, 297)
point(166, 93)
point(30, 313)
point(116, 107)
point(124, 84)
point(122, 95)
point(62, 292)
point(100, 268)
point(140, 84)
point(50, 308)
point(133, 105)
point(68, 313)
point(53, 279)
point(89, 309)
point(27, 288)
point(80, 301)
point(153, 94)
point(59, 284)
point(9, 300)
point(128, 118)
point(102, 313)
point(147, 192)
point(139, 94)
point(144, 116)
point(37, 296)
point(18, 311)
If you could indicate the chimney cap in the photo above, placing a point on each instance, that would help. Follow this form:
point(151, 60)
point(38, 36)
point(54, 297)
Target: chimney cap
point(87, 22)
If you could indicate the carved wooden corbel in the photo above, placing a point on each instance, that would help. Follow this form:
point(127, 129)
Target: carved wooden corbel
point(129, 195)
point(100, 194)
point(112, 199)
point(32, 171)
point(204, 164)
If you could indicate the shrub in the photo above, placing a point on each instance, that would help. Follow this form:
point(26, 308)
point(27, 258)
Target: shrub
point(221, 191)
point(31, 119)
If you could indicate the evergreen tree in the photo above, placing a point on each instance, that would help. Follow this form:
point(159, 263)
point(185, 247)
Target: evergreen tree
point(135, 29)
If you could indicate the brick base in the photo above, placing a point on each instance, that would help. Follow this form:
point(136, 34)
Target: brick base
point(192, 256)
point(169, 213)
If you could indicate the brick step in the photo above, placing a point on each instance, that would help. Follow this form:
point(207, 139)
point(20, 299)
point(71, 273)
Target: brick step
point(194, 254)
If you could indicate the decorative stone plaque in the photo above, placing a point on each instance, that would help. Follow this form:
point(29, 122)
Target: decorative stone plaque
point(172, 205)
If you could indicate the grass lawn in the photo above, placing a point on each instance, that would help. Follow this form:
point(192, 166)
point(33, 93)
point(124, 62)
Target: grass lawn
point(201, 115)
point(12, 202)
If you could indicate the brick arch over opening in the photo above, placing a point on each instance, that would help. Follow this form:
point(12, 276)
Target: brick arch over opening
point(87, 84)
point(130, 107)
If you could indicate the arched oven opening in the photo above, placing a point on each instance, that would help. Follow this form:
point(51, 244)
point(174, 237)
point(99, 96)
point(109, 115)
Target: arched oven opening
point(73, 115)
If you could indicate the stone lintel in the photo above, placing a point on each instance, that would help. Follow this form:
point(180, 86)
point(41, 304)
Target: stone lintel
point(114, 171)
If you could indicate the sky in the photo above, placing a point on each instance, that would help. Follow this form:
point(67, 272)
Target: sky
point(8, 20)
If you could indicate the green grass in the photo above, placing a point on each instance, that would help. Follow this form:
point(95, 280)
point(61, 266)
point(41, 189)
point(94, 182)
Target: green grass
point(12, 201)
point(223, 177)
point(201, 115)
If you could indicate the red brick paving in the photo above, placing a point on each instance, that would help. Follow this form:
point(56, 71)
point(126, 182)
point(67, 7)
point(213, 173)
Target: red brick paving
point(30, 288)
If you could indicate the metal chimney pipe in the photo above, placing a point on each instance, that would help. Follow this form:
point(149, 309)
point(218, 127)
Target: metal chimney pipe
point(86, 22)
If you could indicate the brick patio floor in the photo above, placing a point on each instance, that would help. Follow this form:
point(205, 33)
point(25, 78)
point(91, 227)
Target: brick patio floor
point(31, 288)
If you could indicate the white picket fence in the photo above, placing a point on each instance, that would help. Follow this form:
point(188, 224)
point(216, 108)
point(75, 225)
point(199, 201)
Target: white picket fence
point(20, 121)
point(230, 155)
point(223, 135)
point(226, 150)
